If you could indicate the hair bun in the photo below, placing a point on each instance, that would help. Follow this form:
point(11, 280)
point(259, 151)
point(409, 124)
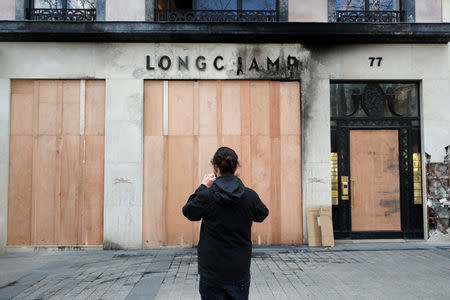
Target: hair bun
point(226, 159)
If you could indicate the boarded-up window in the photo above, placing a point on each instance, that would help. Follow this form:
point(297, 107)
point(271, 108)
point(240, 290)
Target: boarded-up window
point(56, 162)
point(184, 124)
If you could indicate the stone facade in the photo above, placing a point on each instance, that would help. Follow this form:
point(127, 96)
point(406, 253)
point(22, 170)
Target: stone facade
point(124, 67)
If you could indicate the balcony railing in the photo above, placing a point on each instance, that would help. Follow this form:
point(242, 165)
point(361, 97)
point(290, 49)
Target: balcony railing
point(61, 14)
point(375, 16)
point(181, 15)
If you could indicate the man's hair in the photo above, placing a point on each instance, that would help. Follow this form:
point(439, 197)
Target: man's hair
point(226, 160)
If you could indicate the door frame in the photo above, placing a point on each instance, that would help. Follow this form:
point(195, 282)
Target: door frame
point(409, 213)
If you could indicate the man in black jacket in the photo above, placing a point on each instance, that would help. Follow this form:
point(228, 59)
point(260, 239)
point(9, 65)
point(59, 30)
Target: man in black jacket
point(227, 209)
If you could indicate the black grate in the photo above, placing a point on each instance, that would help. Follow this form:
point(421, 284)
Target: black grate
point(61, 14)
point(364, 16)
point(189, 15)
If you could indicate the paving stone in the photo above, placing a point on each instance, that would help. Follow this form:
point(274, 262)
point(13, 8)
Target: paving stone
point(377, 271)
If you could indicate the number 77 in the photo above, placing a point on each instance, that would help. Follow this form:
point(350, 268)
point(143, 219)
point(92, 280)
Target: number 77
point(372, 60)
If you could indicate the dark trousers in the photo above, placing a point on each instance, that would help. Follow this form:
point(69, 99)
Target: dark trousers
point(211, 289)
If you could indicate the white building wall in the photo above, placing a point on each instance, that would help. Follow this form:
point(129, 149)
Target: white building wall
point(308, 11)
point(123, 66)
point(7, 10)
point(4, 158)
point(130, 10)
point(428, 11)
point(446, 11)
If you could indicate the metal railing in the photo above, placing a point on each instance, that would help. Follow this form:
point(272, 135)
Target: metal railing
point(375, 16)
point(61, 14)
point(189, 15)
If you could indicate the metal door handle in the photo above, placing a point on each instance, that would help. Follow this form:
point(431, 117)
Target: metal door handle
point(353, 200)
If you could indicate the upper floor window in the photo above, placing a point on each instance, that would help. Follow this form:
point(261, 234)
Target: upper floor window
point(62, 10)
point(368, 11)
point(216, 10)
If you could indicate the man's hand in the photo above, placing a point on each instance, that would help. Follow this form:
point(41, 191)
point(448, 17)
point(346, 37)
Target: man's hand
point(208, 179)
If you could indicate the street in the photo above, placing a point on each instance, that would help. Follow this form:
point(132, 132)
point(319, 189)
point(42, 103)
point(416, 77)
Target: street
point(410, 270)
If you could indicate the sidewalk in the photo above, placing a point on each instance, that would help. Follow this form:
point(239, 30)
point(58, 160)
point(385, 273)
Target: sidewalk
point(412, 270)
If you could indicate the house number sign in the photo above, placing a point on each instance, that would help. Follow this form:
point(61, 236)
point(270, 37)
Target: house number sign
point(375, 61)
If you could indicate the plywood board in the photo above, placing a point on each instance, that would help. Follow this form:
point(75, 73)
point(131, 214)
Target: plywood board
point(71, 107)
point(181, 108)
point(326, 226)
point(246, 112)
point(314, 231)
point(291, 193)
point(153, 107)
point(374, 169)
point(275, 189)
point(94, 107)
point(207, 108)
point(44, 191)
point(154, 208)
point(290, 108)
point(274, 98)
point(260, 108)
point(231, 108)
point(48, 106)
point(20, 183)
point(92, 213)
point(261, 183)
point(179, 188)
point(21, 113)
point(69, 191)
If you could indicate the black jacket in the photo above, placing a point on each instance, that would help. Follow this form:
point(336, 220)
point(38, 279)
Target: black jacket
point(228, 209)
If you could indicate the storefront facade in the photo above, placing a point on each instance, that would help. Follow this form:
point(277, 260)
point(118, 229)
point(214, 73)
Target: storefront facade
point(102, 143)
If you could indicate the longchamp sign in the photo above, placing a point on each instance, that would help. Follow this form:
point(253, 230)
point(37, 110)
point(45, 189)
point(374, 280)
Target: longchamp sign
point(239, 64)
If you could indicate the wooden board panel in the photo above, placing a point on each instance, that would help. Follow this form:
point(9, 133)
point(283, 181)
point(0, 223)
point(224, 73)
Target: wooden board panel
point(44, 180)
point(207, 108)
point(274, 100)
point(375, 170)
point(181, 108)
point(71, 107)
point(153, 107)
point(92, 213)
point(261, 183)
point(155, 191)
point(246, 113)
point(20, 183)
point(290, 188)
point(48, 106)
point(275, 181)
point(290, 108)
point(70, 185)
point(260, 108)
point(180, 170)
point(231, 108)
point(94, 121)
point(21, 113)
point(22, 86)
